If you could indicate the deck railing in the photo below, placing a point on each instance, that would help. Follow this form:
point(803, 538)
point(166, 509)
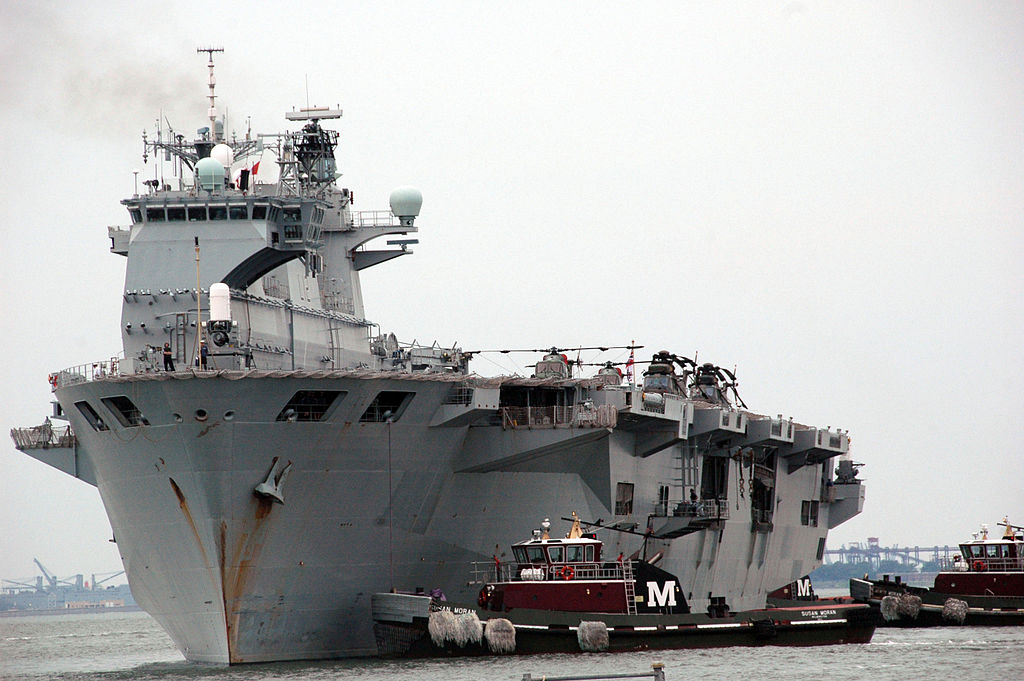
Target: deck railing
point(717, 510)
point(484, 572)
point(82, 373)
point(578, 416)
point(44, 436)
point(981, 564)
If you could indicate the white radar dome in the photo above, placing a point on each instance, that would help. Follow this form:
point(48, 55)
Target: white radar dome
point(220, 302)
point(405, 203)
point(224, 154)
point(209, 174)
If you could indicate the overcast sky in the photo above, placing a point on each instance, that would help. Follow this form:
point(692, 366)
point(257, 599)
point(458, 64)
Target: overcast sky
point(829, 196)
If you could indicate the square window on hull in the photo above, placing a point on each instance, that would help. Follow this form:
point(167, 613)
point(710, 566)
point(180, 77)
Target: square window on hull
point(125, 411)
point(310, 405)
point(387, 405)
point(91, 417)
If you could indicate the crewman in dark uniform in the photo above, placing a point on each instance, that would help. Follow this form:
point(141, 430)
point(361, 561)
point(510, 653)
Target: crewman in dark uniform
point(168, 358)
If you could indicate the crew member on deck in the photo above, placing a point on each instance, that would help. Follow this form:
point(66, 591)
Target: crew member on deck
point(168, 358)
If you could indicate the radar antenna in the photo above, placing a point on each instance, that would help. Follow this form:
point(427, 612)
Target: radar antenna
point(213, 83)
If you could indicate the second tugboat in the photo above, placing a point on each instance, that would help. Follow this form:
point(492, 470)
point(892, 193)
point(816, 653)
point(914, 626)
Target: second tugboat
point(563, 595)
point(983, 586)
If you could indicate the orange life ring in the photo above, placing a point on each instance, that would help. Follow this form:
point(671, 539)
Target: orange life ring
point(567, 572)
point(979, 566)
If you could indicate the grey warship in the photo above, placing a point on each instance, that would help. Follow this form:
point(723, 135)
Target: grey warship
point(269, 458)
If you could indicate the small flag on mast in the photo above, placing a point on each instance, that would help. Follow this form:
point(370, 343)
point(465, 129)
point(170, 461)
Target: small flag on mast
point(629, 364)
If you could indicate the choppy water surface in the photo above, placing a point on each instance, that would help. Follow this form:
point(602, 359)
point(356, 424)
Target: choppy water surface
point(131, 646)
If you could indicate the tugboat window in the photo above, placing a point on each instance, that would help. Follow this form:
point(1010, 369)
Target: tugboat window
point(590, 554)
point(535, 553)
point(309, 405)
point(556, 554)
point(574, 553)
point(388, 404)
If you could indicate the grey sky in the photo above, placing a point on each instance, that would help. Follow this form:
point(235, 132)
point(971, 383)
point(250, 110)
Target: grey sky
point(828, 195)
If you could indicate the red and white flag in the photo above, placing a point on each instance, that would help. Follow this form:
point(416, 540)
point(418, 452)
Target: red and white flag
point(629, 365)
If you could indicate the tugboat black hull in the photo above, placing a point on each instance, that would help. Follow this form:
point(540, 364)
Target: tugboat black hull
point(403, 628)
point(901, 605)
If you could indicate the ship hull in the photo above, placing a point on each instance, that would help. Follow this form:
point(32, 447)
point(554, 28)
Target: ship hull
point(236, 577)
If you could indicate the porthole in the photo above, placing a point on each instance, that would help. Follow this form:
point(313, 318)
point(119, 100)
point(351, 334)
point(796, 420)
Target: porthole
point(177, 418)
point(201, 414)
point(229, 415)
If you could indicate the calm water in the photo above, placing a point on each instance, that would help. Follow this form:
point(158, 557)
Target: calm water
point(131, 646)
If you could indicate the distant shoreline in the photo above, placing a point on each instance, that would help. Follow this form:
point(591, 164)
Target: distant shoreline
point(69, 611)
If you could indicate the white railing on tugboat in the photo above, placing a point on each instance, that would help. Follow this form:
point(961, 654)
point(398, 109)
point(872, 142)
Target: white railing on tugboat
point(983, 564)
point(486, 572)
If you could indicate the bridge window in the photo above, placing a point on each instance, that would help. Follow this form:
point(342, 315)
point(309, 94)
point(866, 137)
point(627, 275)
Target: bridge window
point(125, 411)
point(310, 405)
point(176, 214)
point(218, 212)
point(292, 215)
point(136, 214)
point(91, 417)
point(238, 212)
point(388, 404)
point(624, 498)
point(197, 213)
point(155, 214)
point(259, 211)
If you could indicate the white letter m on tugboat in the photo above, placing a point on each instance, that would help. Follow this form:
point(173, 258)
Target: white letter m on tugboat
point(660, 598)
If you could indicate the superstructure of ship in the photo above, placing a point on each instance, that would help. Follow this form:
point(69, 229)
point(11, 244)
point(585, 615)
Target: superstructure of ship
point(269, 459)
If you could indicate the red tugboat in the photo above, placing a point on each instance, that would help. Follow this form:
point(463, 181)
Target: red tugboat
point(983, 586)
point(563, 595)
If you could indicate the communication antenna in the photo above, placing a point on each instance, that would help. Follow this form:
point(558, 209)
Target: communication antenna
point(213, 83)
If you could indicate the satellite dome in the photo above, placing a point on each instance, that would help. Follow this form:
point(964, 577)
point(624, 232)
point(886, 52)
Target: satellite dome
point(224, 154)
point(405, 203)
point(209, 174)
